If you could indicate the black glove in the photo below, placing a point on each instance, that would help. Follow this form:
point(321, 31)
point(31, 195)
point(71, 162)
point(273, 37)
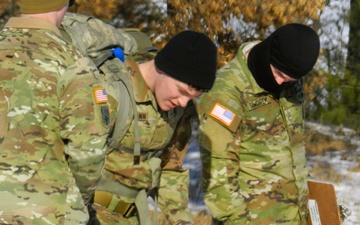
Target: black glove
point(93, 220)
point(216, 222)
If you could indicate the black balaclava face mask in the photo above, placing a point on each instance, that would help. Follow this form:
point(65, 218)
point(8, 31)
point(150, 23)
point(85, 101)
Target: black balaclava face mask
point(259, 64)
point(292, 49)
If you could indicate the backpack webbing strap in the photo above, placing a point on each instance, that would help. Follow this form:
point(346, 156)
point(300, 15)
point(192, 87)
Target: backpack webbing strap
point(155, 164)
point(141, 201)
point(140, 197)
point(123, 86)
point(107, 187)
point(136, 124)
point(142, 206)
point(102, 58)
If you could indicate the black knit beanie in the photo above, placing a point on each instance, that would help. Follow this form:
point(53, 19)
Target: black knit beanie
point(292, 49)
point(189, 57)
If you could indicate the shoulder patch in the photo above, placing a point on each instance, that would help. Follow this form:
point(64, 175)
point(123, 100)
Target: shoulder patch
point(222, 114)
point(100, 95)
point(225, 116)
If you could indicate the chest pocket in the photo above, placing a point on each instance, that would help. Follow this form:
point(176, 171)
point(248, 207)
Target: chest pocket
point(262, 117)
point(266, 116)
point(291, 101)
point(167, 125)
point(155, 128)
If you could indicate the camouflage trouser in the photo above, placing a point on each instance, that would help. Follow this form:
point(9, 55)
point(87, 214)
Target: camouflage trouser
point(105, 216)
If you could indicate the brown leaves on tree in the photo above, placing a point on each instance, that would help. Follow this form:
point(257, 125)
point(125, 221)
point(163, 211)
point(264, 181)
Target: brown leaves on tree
point(215, 18)
point(222, 20)
point(103, 9)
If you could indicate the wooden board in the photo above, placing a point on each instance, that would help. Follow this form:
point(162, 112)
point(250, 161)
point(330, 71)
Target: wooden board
point(322, 204)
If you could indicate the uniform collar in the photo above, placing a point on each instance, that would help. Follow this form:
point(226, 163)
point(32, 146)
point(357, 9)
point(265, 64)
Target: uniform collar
point(241, 57)
point(141, 91)
point(32, 23)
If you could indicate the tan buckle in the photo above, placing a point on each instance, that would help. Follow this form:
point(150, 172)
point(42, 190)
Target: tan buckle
point(106, 199)
point(129, 210)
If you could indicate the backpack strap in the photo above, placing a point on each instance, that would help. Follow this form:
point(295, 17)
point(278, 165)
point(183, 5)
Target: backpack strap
point(142, 40)
point(91, 35)
point(119, 78)
point(96, 39)
point(102, 58)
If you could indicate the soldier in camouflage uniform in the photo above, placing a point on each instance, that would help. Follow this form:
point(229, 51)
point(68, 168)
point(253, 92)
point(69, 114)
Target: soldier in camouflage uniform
point(51, 137)
point(147, 159)
point(251, 132)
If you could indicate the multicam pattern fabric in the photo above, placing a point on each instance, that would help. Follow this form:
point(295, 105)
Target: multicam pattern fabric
point(254, 165)
point(51, 137)
point(165, 134)
point(165, 131)
point(96, 35)
point(105, 216)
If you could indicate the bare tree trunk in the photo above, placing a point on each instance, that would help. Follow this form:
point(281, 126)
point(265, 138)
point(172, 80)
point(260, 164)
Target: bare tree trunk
point(351, 90)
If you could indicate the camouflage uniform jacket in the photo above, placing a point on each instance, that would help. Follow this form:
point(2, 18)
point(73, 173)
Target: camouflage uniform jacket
point(254, 165)
point(165, 134)
point(50, 137)
point(159, 131)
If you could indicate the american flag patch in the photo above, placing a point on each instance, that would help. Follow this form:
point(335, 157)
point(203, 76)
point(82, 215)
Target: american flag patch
point(223, 114)
point(100, 95)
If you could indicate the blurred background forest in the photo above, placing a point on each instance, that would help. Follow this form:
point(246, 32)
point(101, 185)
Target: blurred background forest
point(333, 90)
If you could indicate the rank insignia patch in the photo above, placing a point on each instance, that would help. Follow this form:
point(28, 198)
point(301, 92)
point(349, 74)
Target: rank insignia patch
point(100, 95)
point(222, 114)
point(142, 116)
point(105, 117)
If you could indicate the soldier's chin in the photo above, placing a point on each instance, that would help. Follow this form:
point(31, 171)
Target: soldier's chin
point(165, 108)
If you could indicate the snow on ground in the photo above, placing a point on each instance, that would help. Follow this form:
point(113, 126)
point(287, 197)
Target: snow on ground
point(342, 169)
point(345, 181)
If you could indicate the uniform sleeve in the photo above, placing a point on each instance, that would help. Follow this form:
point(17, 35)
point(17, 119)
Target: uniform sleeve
point(174, 181)
point(174, 197)
point(220, 167)
point(83, 124)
